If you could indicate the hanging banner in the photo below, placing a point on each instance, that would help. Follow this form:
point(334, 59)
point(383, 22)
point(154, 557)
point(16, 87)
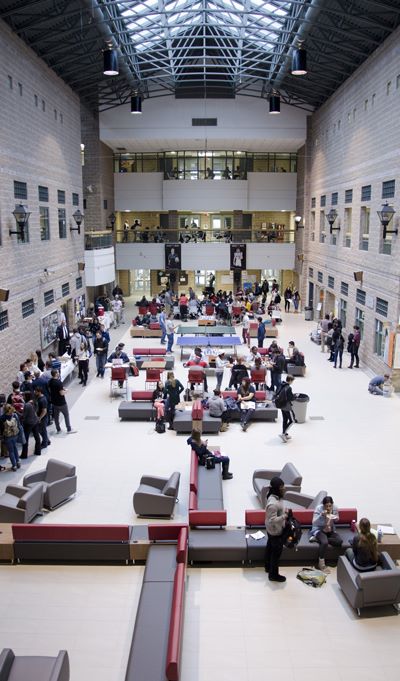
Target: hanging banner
point(173, 256)
point(238, 257)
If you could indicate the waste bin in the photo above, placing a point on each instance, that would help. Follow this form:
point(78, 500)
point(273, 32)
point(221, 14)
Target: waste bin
point(300, 407)
point(308, 314)
point(100, 311)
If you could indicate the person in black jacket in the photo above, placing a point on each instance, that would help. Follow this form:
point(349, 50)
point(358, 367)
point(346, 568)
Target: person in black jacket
point(287, 410)
point(200, 448)
point(278, 367)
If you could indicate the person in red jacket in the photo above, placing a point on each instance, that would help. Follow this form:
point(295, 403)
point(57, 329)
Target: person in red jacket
point(198, 361)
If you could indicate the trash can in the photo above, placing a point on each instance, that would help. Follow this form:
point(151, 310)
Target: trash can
point(300, 407)
point(100, 311)
point(308, 314)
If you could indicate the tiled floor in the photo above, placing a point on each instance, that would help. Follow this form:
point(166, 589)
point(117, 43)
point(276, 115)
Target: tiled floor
point(236, 624)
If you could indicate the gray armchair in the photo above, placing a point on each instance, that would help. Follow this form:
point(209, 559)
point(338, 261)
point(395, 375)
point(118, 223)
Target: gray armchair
point(297, 500)
point(156, 496)
point(58, 480)
point(20, 505)
point(369, 589)
point(34, 668)
point(262, 478)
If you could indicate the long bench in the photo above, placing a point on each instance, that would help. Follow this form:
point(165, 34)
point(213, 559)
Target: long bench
point(144, 354)
point(157, 637)
point(264, 411)
point(198, 417)
point(139, 409)
point(68, 543)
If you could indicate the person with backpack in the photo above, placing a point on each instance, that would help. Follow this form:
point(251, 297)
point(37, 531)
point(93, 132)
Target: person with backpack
point(275, 521)
point(323, 529)
point(338, 350)
point(30, 421)
point(204, 454)
point(278, 362)
point(9, 429)
point(283, 401)
point(354, 347)
point(16, 399)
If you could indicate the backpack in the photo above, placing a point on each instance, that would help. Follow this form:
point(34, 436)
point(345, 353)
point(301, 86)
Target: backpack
point(11, 427)
point(292, 531)
point(312, 577)
point(18, 402)
point(299, 359)
point(160, 426)
point(280, 399)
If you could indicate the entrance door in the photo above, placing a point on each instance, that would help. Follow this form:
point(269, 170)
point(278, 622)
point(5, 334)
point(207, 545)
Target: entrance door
point(310, 294)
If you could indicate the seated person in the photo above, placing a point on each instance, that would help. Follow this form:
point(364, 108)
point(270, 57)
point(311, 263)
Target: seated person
point(143, 302)
point(273, 348)
point(258, 364)
point(119, 354)
point(238, 372)
point(153, 307)
point(247, 405)
point(218, 409)
point(253, 355)
point(158, 400)
point(364, 554)
point(295, 356)
point(377, 384)
point(200, 448)
point(323, 529)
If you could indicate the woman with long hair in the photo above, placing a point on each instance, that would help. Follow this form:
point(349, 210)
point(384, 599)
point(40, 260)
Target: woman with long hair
point(245, 399)
point(275, 521)
point(172, 393)
point(158, 400)
point(199, 446)
point(364, 552)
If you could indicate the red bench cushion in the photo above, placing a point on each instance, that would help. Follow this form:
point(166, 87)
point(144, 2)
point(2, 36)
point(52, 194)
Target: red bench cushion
point(140, 351)
point(157, 351)
point(197, 411)
point(69, 533)
point(304, 516)
point(207, 518)
point(193, 501)
point(194, 471)
point(182, 547)
point(175, 625)
point(165, 532)
point(141, 395)
point(154, 326)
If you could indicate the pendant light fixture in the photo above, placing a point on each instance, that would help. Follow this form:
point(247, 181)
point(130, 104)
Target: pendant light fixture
point(110, 62)
point(299, 61)
point(274, 103)
point(136, 104)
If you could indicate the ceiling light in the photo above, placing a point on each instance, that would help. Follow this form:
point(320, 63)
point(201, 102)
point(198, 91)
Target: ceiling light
point(136, 104)
point(299, 62)
point(110, 62)
point(274, 104)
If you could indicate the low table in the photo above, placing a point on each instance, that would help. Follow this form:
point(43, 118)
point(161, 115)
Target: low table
point(389, 543)
point(154, 364)
point(209, 342)
point(206, 330)
point(206, 322)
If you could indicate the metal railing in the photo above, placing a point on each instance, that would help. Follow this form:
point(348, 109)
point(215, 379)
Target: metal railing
point(96, 240)
point(155, 235)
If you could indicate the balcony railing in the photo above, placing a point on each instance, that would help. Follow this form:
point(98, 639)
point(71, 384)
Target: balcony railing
point(96, 240)
point(277, 235)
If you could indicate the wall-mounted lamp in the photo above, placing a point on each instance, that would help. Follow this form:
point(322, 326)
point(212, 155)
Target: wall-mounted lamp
point(358, 276)
point(112, 220)
point(78, 217)
point(110, 62)
point(300, 257)
point(297, 221)
point(331, 217)
point(385, 215)
point(21, 216)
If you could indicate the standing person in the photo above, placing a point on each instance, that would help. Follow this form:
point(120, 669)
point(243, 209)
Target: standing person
point(83, 362)
point(75, 343)
point(323, 529)
point(278, 367)
point(283, 401)
point(245, 328)
point(247, 405)
point(275, 520)
point(30, 423)
point(354, 348)
point(172, 393)
point(125, 230)
point(9, 428)
point(100, 350)
point(162, 323)
point(220, 364)
point(116, 306)
point(57, 396)
point(288, 298)
point(296, 300)
point(324, 331)
point(63, 338)
point(168, 301)
point(42, 413)
point(338, 350)
point(200, 448)
point(170, 328)
point(260, 332)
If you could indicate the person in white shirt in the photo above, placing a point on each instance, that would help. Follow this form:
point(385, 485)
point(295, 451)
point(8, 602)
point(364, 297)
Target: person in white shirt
point(220, 364)
point(170, 328)
point(116, 306)
point(245, 329)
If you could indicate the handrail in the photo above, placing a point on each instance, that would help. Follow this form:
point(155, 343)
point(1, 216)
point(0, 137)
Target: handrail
point(97, 240)
point(278, 234)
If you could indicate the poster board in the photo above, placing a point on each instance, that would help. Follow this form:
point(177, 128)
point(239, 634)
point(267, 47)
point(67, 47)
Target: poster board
point(173, 259)
point(238, 257)
point(48, 329)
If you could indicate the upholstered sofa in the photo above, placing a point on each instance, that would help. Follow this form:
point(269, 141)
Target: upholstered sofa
point(20, 504)
point(58, 481)
point(33, 667)
point(264, 411)
point(298, 500)
point(370, 589)
point(156, 496)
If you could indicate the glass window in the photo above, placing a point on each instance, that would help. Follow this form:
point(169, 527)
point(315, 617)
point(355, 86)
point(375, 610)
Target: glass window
point(44, 222)
point(344, 289)
point(359, 320)
point(382, 307)
point(48, 297)
point(313, 200)
point(75, 199)
point(360, 296)
point(141, 280)
point(202, 277)
point(322, 233)
point(388, 189)
point(310, 272)
point(366, 193)
point(3, 319)
point(65, 289)
point(343, 312)
point(385, 245)
point(334, 199)
point(60, 196)
point(43, 193)
point(20, 190)
point(320, 277)
point(348, 196)
point(364, 228)
point(322, 202)
point(347, 227)
point(379, 345)
point(331, 281)
point(62, 223)
point(78, 282)
point(28, 307)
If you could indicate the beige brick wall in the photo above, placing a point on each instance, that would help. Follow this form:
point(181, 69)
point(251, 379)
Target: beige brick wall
point(39, 145)
point(353, 140)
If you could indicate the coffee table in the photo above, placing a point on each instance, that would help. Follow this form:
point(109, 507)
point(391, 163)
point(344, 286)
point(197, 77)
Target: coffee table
point(389, 543)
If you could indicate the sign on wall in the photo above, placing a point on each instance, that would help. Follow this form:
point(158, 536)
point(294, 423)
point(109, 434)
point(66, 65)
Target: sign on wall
point(173, 256)
point(238, 257)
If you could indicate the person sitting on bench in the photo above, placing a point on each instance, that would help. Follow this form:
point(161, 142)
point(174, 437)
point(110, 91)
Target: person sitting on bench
point(200, 448)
